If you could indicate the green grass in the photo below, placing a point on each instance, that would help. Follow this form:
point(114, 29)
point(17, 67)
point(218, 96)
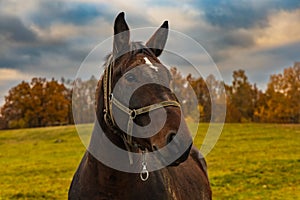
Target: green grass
point(250, 161)
point(256, 161)
point(38, 163)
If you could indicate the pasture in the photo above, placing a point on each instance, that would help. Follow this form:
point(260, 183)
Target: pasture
point(250, 161)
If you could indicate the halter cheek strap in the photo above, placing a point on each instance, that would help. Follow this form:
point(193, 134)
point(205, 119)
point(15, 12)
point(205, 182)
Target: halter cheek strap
point(110, 100)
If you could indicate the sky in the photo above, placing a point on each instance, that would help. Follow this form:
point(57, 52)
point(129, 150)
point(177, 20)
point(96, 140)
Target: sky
point(51, 38)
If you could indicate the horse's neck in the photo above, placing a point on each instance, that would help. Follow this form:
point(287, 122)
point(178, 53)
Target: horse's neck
point(107, 149)
point(110, 181)
point(108, 175)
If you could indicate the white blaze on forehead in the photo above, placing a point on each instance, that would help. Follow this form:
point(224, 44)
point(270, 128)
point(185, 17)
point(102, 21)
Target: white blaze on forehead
point(150, 64)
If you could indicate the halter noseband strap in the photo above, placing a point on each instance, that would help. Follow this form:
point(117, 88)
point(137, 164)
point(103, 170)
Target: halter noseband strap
point(110, 100)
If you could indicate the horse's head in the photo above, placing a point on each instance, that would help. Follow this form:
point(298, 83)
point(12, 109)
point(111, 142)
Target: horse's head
point(134, 98)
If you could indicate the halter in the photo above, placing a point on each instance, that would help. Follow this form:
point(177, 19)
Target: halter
point(110, 100)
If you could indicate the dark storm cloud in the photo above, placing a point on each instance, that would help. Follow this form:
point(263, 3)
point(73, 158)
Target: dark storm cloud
point(17, 61)
point(22, 49)
point(242, 14)
point(12, 28)
point(236, 39)
point(222, 42)
point(50, 12)
point(285, 52)
point(24, 58)
point(14, 36)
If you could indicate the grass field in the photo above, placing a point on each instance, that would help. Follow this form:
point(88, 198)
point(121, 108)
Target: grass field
point(250, 161)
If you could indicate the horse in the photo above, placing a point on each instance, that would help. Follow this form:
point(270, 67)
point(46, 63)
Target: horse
point(121, 119)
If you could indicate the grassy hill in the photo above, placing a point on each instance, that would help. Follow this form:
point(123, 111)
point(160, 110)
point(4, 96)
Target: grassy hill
point(250, 161)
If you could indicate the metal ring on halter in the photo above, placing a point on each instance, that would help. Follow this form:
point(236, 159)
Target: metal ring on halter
point(133, 114)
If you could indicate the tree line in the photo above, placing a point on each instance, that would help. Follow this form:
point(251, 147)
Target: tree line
point(279, 103)
point(44, 102)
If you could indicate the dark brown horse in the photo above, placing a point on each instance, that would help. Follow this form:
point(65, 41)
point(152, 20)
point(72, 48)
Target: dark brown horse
point(164, 165)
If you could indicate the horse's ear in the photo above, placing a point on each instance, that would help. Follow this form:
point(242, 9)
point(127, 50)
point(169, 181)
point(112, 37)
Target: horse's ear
point(121, 35)
point(158, 40)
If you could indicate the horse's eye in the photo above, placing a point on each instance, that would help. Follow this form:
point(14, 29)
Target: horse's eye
point(130, 77)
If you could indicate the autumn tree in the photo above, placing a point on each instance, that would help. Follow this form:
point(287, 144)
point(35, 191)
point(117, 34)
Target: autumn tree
point(259, 99)
point(216, 103)
point(83, 100)
point(282, 97)
point(3, 123)
point(34, 113)
point(203, 97)
point(35, 104)
point(56, 104)
point(184, 93)
point(17, 101)
point(209, 94)
point(69, 84)
point(241, 99)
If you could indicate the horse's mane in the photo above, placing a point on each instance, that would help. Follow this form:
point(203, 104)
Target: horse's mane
point(134, 49)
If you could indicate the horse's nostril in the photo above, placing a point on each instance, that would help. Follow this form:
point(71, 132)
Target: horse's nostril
point(170, 137)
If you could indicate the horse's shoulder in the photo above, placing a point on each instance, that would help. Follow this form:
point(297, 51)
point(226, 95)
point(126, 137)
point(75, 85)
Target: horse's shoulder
point(199, 159)
point(74, 191)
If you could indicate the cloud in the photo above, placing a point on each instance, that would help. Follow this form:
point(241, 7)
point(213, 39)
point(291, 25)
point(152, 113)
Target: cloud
point(77, 13)
point(235, 39)
point(12, 74)
point(242, 14)
point(64, 32)
point(186, 17)
point(283, 28)
point(259, 63)
point(231, 14)
point(259, 48)
point(12, 28)
point(12, 7)
point(54, 50)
